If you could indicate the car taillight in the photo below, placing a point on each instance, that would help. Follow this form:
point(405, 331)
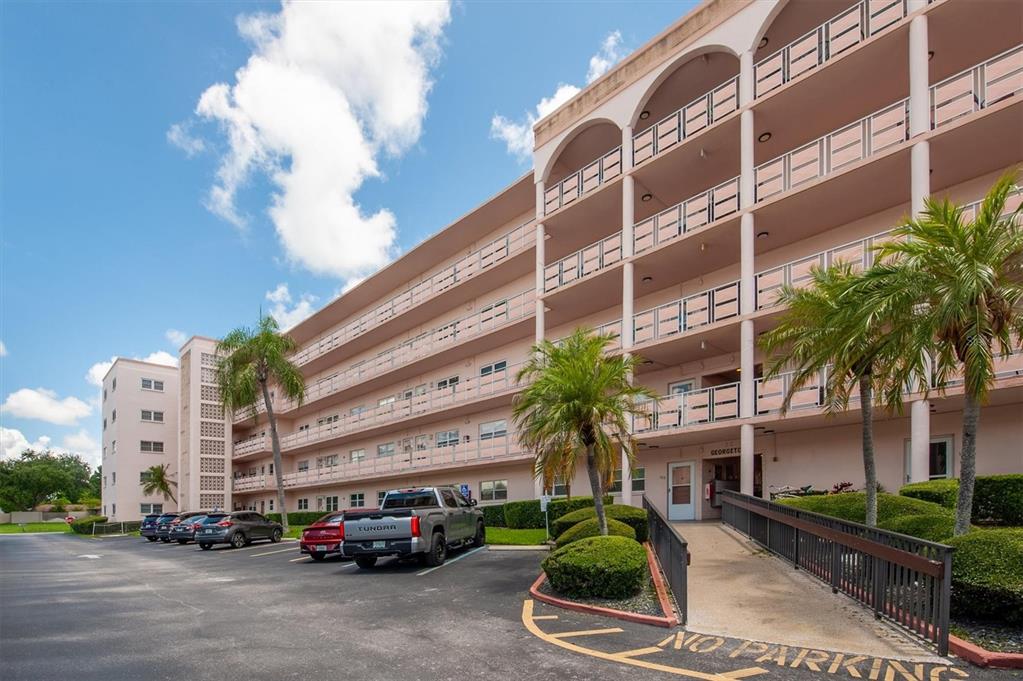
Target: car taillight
point(341, 531)
point(225, 523)
point(415, 526)
point(195, 526)
point(175, 521)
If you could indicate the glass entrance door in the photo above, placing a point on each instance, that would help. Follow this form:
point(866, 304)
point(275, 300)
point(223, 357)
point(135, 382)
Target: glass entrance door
point(681, 504)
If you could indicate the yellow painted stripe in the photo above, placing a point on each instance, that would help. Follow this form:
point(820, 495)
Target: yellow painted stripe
point(743, 673)
point(639, 651)
point(587, 632)
point(667, 641)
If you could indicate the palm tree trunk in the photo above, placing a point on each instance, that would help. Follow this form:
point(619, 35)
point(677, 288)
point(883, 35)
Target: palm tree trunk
point(275, 442)
point(869, 466)
point(967, 465)
point(598, 492)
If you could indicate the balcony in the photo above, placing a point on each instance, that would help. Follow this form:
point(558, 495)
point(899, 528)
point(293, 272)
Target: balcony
point(584, 263)
point(698, 115)
point(490, 318)
point(863, 20)
point(498, 450)
point(584, 181)
point(433, 401)
point(698, 407)
point(482, 260)
point(689, 215)
point(977, 88)
point(685, 314)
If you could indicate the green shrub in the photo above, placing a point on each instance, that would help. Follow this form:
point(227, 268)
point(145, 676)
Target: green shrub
point(527, 514)
point(997, 499)
point(987, 575)
point(936, 527)
point(630, 515)
point(600, 567)
point(493, 516)
point(84, 525)
point(943, 492)
point(297, 517)
point(852, 506)
point(591, 528)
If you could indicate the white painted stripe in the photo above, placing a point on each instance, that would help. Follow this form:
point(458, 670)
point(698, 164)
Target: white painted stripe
point(453, 560)
point(270, 553)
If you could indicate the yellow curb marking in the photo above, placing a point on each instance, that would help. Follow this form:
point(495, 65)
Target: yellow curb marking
point(743, 673)
point(639, 651)
point(587, 632)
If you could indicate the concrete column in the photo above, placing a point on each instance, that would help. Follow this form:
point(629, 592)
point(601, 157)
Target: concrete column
point(747, 284)
point(541, 237)
point(920, 410)
point(628, 295)
point(919, 85)
point(746, 78)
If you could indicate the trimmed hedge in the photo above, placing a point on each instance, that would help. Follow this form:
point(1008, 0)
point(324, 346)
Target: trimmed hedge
point(298, 517)
point(493, 516)
point(520, 515)
point(852, 506)
point(997, 499)
point(987, 575)
point(598, 567)
point(591, 528)
point(937, 527)
point(84, 525)
point(630, 515)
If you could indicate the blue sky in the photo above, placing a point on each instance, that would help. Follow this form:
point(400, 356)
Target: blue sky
point(111, 242)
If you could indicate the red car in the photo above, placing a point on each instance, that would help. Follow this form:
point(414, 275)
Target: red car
point(323, 537)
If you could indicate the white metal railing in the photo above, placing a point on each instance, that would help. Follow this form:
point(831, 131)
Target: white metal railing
point(833, 152)
point(849, 28)
point(431, 400)
point(688, 313)
point(671, 412)
point(496, 449)
point(605, 168)
point(491, 317)
point(977, 88)
point(698, 115)
point(584, 262)
point(695, 212)
point(480, 260)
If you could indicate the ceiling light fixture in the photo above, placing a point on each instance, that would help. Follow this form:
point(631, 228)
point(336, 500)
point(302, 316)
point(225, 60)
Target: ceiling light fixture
point(763, 43)
point(643, 115)
point(646, 197)
point(763, 235)
point(930, 55)
point(647, 279)
point(764, 136)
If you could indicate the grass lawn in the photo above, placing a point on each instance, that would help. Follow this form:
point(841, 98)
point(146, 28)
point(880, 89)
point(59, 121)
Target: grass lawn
point(11, 528)
point(295, 531)
point(509, 537)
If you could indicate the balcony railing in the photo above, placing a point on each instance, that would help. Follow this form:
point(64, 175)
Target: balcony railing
point(671, 412)
point(686, 314)
point(849, 28)
point(701, 210)
point(834, 152)
point(433, 400)
point(699, 114)
point(497, 449)
point(583, 263)
point(604, 169)
point(486, 320)
point(502, 248)
point(977, 88)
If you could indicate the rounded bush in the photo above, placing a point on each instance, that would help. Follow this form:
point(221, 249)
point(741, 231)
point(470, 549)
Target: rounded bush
point(520, 515)
point(84, 525)
point(630, 515)
point(997, 499)
point(943, 492)
point(493, 515)
point(987, 575)
point(297, 517)
point(936, 527)
point(598, 567)
point(852, 506)
point(591, 528)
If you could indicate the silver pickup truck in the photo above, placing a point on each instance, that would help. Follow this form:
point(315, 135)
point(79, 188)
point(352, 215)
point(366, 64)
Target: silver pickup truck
point(423, 522)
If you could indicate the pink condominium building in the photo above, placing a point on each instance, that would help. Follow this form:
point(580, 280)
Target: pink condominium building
point(667, 204)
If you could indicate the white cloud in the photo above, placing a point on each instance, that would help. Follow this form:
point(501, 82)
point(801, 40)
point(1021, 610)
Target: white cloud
point(44, 405)
point(286, 313)
point(98, 370)
point(13, 442)
point(82, 443)
point(328, 88)
point(518, 135)
point(177, 338)
point(180, 135)
point(3, 349)
point(161, 357)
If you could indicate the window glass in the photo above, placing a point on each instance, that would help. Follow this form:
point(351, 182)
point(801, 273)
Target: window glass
point(380, 498)
point(411, 499)
point(447, 438)
point(493, 368)
point(449, 498)
point(386, 449)
point(638, 481)
point(356, 500)
point(357, 455)
point(494, 490)
point(449, 382)
point(493, 429)
point(303, 504)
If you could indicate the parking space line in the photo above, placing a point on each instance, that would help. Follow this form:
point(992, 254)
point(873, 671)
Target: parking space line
point(587, 632)
point(270, 553)
point(295, 560)
point(453, 560)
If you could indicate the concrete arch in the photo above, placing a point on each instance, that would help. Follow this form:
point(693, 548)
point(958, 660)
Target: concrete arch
point(671, 68)
point(778, 8)
point(570, 137)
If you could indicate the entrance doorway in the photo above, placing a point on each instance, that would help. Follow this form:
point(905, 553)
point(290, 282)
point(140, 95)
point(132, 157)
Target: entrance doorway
point(681, 501)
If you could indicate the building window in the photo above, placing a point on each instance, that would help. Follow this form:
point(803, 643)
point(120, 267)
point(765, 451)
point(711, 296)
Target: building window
point(303, 427)
point(356, 500)
point(494, 490)
point(357, 455)
point(151, 446)
point(303, 504)
point(326, 420)
point(113, 508)
point(493, 367)
point(271, 505)
point(638, 481)
point(940, 459)
point(144, 476)
point(152, 384)
point(560, 488)
point(493, 429)
point(104, 394)
point(355, 411)
point(303, 466)
point(380, 498)
point(149, 416)
point(446, 438)
point(113, 416)
point(384, 401)
point(386, 449)
point(113, 385)
point(104, 424)
point(681, 387)
point(151, 508)
point(330, 504)
point(113, 478)
point(326, 461)
point(449, 382)
point(113, 446)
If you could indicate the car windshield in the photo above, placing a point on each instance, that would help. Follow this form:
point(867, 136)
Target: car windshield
point(195, 519)
point(331, 518)
point(213, 519)
point(414, 499)
point(166, 517)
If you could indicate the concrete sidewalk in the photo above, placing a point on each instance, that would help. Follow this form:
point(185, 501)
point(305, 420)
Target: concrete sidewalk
point(738, 589)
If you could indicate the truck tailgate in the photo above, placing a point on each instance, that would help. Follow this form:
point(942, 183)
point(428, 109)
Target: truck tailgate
point(375, 525)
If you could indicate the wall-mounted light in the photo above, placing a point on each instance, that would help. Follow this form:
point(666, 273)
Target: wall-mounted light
point(647, 279)
point(930, 55)
point(763, 235)
point(763, 43)
point(646, 197)
point(643, 115)
point(764, 136)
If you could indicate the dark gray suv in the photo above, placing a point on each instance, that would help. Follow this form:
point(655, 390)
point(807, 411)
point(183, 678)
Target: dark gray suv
point(237, 529)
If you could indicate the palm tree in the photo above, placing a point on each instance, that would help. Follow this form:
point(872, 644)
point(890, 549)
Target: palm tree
point(579, 399)
point(248, 361)
point(951, 290)
point(821, 332)
point(155, 480)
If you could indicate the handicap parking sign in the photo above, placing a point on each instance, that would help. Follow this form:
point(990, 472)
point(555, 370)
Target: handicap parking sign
point(465, 490)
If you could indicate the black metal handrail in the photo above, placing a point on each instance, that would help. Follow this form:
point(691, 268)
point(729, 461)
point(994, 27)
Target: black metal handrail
point(904, 579)
point(672, 553)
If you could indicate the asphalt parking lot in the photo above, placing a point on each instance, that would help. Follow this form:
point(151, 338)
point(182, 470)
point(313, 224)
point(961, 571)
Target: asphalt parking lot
point(122, 608)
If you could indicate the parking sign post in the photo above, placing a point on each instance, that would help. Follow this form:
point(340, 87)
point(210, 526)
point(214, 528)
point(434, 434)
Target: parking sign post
point(545, 499)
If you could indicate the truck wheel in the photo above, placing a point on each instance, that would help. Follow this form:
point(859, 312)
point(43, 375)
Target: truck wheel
point(205, 546)
point(238, 540)
point(365, 562)
point(481, 535)
point(438, 550)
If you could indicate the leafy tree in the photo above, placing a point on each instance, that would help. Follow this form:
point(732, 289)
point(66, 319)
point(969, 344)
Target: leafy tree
point(32, 479)
point(79, 474)
point(579, 400)
point(156, 480)
point(249, 361)
point(821, 334)
point(950, 290)
point(95, 490)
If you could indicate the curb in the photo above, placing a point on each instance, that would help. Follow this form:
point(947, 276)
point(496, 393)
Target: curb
point(518, 547)
point(982, 657)
point(666, 621)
